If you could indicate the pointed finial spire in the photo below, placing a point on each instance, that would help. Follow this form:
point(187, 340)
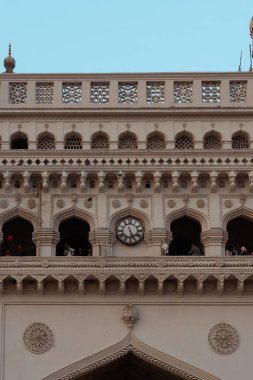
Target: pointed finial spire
point(9, 62)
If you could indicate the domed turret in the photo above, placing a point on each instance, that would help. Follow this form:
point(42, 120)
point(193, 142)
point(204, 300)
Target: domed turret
point(9, 62)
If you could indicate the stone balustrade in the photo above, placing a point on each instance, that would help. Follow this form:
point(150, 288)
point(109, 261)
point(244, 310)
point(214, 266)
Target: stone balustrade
point(124, 91)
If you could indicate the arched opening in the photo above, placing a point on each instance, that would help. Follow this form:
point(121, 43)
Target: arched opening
point(46, 141)
point(73, 141)
point(212, 141)
point(74, 238)
point(127, 140)
point(184, 141)
point(186, 236)
point(17, 238)
point(155, 140)
point(129, 367)
point(100, 141)
point(240, 140)
point(240, 234)
point(19, 140)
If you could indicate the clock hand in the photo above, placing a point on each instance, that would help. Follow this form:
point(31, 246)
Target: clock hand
point(131, 234)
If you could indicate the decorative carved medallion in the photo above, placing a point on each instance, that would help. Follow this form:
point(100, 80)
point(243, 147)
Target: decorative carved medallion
point(143, 203)
point(4, 203)
point(38, 338)
point(200, 203)
point(60, 203)
point(88, 203)
point(171, 203)
point(228, 203)
point(223, 338)
point(31, 203)
point(130, 315)
point(116, 203)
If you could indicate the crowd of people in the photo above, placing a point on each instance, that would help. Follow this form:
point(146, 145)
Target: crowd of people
point(233, 251)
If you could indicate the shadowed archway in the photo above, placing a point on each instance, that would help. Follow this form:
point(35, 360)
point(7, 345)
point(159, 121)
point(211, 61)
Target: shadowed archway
point(17, 238)
point(185, 231)
point(75, 233)
point(129, 367)
point(240, 233)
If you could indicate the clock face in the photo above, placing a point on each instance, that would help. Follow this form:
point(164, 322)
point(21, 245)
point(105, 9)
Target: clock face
point(130, 230)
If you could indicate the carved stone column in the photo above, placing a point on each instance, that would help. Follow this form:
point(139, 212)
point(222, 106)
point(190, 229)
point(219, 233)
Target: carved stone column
point(154, 240)
point(194, 179)
point(83, 177)
point(157, 178)
point(7, 184)
point(101, 183)
point(175, 184)
point(120, 177)
point(214, 241)
point(138, 178)
point(213, 177)
point(64, 181)
point(102, 240)
point(232, 184)
point(26, 177)
point(46, 240)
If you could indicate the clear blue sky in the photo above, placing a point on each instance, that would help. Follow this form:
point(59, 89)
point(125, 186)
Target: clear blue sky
point(125, 36)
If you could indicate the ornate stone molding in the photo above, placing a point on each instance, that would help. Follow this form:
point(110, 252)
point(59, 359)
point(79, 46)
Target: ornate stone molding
point(38, 338)
point(223, 338)
point(130, 344)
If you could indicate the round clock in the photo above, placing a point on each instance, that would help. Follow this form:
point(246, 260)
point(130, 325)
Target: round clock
point(130, 230)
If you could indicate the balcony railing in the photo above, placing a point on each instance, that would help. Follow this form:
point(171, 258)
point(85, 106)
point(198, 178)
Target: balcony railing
point(126, 90)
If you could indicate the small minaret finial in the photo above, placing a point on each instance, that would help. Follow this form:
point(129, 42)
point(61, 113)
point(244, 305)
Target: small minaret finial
point(251, 45)
point(9, 62)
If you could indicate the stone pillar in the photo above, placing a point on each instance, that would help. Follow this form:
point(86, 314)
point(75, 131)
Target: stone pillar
point(214, 241)
point(138, 178)
point(83, 178)
point(213, 177)
point(102, 240)
point(232, 184)
point(157, 178)
point(154, 240)
point(175, 184)
point(194, 179)
point(46, 240)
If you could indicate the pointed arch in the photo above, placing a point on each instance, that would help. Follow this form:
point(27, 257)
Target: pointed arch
point(99, 140)
point(240, 211)
point(129, 211)
point(184, 140)
point(190, 213)
point(155, 140)
point(18, 212)
point(19, 140)
point(73, 140)
point(46, 141)
point(131, 345)
point(240, 140)
point(212, 140)
point(73, 212)
point(127, 140)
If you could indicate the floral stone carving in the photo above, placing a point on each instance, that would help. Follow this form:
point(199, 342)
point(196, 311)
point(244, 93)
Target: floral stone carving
point(4, 203)
point(31, 203)
point(223, 338)
point(38, 338)
point(130, 315)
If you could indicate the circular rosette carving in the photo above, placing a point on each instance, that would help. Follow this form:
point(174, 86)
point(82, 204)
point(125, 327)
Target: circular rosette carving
point(171, 203)
point(228, 203)
point(31, 203)
point(223, 338)
point(200, 203)
point(38, 338)
point(60, 203)
point(116, 203)
point(143, 203)
point(4, 203)
point(88, 203)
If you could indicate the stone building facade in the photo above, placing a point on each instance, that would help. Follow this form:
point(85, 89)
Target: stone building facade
point(106, 182)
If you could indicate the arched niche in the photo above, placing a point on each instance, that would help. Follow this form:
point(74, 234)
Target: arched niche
point(73, 141)
point(99, 140)
point(74, 238)
point(212, 141)
point(19, 140)
point(185, 232)
point(46, 141)
point(184, 140)
point(240, 140)
point(155, 140)
point(17, 238)
point(240, 233)
point(127, 141)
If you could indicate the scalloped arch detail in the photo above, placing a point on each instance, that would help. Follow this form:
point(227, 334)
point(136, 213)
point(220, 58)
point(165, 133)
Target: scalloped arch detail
point(130, 344)
point(240, 211)
point(188, 212)
point(73, 212)
point(18, 212)
point(126, 212)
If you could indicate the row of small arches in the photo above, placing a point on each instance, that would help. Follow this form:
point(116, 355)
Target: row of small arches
point(128, 140)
